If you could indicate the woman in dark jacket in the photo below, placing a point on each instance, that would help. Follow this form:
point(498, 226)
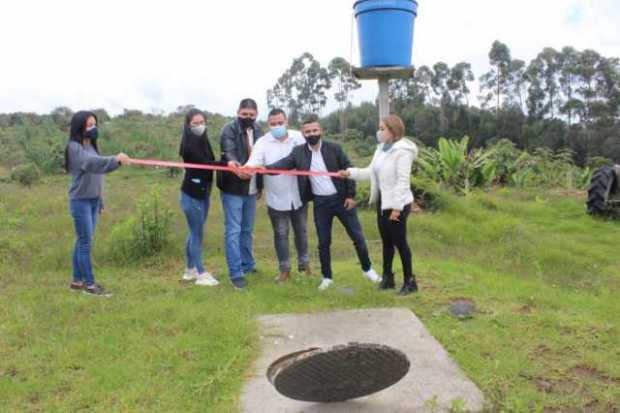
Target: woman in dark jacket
point(195, 193)
point(86, 166)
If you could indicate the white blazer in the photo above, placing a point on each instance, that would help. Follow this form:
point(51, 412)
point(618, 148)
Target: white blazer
point(394, 184)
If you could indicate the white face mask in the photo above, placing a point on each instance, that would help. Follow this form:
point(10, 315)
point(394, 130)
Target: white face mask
point(198, 130)
point(380, 137)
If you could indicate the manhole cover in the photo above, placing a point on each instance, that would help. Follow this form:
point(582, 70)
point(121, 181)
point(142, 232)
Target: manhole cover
point(339, 373)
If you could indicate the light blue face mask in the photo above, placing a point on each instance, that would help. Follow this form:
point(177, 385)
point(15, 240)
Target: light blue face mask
point(279, 132)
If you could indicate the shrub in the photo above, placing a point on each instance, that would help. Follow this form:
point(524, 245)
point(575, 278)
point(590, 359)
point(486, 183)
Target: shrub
point(428, 194)
point(144, 235)
point(26, 174)
point(455, 168)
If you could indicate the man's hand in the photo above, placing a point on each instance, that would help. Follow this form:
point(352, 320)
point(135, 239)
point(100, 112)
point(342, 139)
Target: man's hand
point(350, 203)
point(235, 166)
point(246, 173)
point(344, 174)
point(395, 215)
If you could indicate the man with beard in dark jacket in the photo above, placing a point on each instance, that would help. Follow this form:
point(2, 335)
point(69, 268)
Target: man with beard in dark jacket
point(333, 197)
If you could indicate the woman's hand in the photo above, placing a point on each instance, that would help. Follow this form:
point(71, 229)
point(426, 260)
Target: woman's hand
point(122, 158)
point(395, 215)
point(344, 174)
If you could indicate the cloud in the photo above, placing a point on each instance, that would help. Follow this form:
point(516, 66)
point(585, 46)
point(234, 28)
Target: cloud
point(164, 54)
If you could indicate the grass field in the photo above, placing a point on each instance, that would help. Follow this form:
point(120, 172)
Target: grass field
point(544, 276)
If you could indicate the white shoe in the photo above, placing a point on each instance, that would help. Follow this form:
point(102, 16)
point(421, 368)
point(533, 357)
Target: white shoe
point(190, 274)
point(206, 280)
point(325, 284)
point(372, 276)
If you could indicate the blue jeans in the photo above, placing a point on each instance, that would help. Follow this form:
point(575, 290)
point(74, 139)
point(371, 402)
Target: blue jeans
point(326, 208)
point(196, 212)
point(281, 221)
point(239, 212)
point(84, 213)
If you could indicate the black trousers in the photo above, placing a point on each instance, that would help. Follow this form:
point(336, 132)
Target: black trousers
point(394, 236)
point(326, 208)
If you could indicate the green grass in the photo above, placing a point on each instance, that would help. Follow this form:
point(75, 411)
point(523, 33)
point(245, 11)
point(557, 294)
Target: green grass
point(544, 276)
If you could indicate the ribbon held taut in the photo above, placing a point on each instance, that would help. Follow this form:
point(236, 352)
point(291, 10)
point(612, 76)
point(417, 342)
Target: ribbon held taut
point(250, 170)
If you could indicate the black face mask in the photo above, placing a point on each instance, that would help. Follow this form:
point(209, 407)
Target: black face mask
point(313, 139)
point(92, 134)
point(246, 122)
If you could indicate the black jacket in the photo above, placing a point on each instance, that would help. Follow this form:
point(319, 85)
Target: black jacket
point(335, 160)
point(197, 149)
point(233, 143)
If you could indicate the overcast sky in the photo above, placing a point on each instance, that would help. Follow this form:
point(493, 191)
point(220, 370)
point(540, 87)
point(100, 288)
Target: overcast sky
point(162, 54)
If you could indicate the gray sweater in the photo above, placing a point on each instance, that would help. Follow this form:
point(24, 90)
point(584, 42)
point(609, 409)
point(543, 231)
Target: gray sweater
point(87, 169)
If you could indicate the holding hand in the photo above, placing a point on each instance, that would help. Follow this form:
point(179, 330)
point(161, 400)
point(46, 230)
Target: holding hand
point(122, 158)
point(350, 203)
point(246, 173)
point(344, 174)
point(395, 215)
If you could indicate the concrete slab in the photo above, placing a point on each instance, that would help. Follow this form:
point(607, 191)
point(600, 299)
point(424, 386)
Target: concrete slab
point(433, 383)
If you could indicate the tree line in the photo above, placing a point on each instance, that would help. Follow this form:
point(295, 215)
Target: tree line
point(561, 99)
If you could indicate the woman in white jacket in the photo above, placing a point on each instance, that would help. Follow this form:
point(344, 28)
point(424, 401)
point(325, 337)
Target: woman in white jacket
point(390, 188)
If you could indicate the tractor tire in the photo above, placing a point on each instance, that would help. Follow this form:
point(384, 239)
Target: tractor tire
point(603, 183)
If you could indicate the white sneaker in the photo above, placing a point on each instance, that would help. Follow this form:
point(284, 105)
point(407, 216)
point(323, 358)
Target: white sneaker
point(372, 276)
point(190, 274)
point(206, 280)
point(325, 284)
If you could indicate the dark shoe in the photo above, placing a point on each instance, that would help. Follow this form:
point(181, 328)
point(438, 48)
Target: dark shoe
point(239, 283)
point(306, 269)
point(96, 290)
point(387, 282)
point(77, 286)
point(409, 287)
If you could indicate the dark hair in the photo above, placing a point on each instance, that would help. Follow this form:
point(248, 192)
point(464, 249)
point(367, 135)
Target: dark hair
point(248, 104)
point(187, 133)
point(276, 112)
point(308, 119)
point(76, 133)
point(191, 113)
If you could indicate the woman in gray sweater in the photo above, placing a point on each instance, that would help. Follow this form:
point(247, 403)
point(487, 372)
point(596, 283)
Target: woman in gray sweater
point(87, 167)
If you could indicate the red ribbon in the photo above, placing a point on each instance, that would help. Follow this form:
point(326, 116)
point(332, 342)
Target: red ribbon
point(248, 170)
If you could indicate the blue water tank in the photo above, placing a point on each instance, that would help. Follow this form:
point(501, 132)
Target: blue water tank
point(385, 29)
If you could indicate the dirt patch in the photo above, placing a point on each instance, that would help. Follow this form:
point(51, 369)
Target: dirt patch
point(563, 386)
point(591, 373)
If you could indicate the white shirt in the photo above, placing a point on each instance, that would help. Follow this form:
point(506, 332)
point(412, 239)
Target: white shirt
point(321, 185)
point(282, 191)
point(253, 190)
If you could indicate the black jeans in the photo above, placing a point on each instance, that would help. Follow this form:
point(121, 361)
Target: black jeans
point(326, 208)
point(394, 236)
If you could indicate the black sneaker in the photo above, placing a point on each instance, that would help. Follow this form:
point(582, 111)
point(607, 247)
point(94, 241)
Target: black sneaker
point(96, 290)
point(409, 287)
point(387, 282)
point(239, 283)
point(76, 285)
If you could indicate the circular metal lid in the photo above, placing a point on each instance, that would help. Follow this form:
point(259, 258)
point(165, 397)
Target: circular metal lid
point(339, 373)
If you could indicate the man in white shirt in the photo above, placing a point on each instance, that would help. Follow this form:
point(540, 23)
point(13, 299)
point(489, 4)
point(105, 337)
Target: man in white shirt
point(284, 203)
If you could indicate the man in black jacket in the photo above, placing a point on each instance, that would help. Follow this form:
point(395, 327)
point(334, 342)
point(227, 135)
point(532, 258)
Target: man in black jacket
point(239, 194)
point(333, 197)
